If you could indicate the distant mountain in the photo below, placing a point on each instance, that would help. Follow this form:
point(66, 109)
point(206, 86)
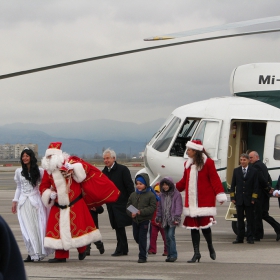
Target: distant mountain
point(97, 130)
point(83, 138)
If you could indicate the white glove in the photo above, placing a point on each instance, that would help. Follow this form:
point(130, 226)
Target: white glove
point(68, 165)
point(53, 195)
point(276, 192)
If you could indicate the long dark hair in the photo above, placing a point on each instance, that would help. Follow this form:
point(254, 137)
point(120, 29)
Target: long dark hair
point(198, 158)
point(33, 176)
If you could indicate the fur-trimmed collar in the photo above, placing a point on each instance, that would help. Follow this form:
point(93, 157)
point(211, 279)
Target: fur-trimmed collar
point(190, 161)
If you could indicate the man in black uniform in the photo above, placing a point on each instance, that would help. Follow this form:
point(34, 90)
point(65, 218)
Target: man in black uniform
point(121, 177)
point(262, 203)
point(243, 193)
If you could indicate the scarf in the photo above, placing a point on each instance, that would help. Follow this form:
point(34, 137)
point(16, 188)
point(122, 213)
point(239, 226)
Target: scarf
point(148, 189)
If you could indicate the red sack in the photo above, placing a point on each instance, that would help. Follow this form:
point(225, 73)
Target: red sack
point(97, 188)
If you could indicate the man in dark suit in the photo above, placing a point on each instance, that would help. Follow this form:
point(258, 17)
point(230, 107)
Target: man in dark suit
point(243, 193)
point(262, 203)
point(121, 177)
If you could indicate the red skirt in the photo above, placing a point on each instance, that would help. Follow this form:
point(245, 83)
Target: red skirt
point(199, 222)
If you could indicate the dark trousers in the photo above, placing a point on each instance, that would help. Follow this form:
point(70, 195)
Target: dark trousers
point(261, 213)
point(122, 246)
point(240, 209)
point(258, 223)
point(141, 234)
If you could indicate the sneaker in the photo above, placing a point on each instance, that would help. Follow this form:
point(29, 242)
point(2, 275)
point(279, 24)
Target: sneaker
point(151, 253)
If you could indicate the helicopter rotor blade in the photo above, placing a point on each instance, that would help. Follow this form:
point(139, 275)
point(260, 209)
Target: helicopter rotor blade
point(20, 73)
point(214, 28)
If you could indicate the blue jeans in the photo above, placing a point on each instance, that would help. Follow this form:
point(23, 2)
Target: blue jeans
point(170, 241)
point(141, 234)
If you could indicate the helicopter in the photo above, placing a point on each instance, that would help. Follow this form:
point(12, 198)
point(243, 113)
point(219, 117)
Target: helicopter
point(228, 126)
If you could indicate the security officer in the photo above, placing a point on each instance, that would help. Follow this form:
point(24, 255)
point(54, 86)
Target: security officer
point(262, 203)
point(243, 194)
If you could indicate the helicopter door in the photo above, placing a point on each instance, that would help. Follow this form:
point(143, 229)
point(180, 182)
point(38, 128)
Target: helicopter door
point(208, 131)
point(271, 154)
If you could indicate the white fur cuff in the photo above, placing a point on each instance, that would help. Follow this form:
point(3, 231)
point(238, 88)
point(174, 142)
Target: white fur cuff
point(79, 172)
point(221, 197)
point(46, 197)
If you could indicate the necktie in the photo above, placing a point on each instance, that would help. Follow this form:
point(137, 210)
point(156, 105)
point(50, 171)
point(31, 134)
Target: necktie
point(244, 172)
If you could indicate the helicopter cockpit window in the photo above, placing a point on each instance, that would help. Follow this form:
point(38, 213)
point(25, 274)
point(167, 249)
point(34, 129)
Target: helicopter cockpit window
point(185, 134)
point(167, 121)
point(208, 132)
point(276, 153)
point(164, 140)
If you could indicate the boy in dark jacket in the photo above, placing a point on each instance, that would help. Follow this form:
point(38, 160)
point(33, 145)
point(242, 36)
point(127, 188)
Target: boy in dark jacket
point(144, 200)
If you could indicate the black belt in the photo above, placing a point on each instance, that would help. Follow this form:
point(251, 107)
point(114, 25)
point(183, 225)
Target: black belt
point(71, 203)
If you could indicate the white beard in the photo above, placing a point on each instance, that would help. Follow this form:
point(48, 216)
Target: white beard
point(53, 163)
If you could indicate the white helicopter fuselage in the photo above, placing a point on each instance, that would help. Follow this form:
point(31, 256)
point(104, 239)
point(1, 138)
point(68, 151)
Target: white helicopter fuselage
point(227, 127)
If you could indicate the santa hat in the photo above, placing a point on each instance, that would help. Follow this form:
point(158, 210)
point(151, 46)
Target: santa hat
point(195, 145)
point(54, 149)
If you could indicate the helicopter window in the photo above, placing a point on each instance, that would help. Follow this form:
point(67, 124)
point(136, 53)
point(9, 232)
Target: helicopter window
point(185, 134)
point(208, 132)
point(276, 153)
point(167, 121)
point(164, 140)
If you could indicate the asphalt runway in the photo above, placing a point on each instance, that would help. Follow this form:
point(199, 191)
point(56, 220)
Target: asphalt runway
point(234, 261)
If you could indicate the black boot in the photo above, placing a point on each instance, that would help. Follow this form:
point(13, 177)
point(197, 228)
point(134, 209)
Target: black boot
point(55, 260)
point(208, 237)
point(81, 256)
point(100, 246)
point(88, 250)
point(195, 242)
point(28, 259)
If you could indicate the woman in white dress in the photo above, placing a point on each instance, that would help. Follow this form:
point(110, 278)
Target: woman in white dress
point(27, 203)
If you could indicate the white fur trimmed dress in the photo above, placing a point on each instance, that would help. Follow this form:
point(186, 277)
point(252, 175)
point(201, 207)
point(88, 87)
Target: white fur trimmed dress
point(203, 187)
point(32, 216)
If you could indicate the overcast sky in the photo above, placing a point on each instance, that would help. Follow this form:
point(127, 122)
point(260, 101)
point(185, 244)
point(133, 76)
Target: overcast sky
point(137, 87)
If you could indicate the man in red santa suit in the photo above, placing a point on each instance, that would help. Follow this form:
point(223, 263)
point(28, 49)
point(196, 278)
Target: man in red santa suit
point(203, 187)
point(70, 224)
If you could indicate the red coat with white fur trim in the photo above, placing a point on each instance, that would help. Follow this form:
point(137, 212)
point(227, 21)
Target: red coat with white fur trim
point(202, 188)
point(72, 227)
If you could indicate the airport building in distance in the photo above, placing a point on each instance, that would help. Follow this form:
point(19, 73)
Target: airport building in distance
point(13, 151)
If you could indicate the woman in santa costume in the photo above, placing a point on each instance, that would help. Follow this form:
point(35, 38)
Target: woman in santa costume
point(70, 224)
point(203, 187)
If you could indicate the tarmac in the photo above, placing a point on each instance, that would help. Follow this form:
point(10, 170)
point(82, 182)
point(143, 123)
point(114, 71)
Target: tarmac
point(234, 261)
